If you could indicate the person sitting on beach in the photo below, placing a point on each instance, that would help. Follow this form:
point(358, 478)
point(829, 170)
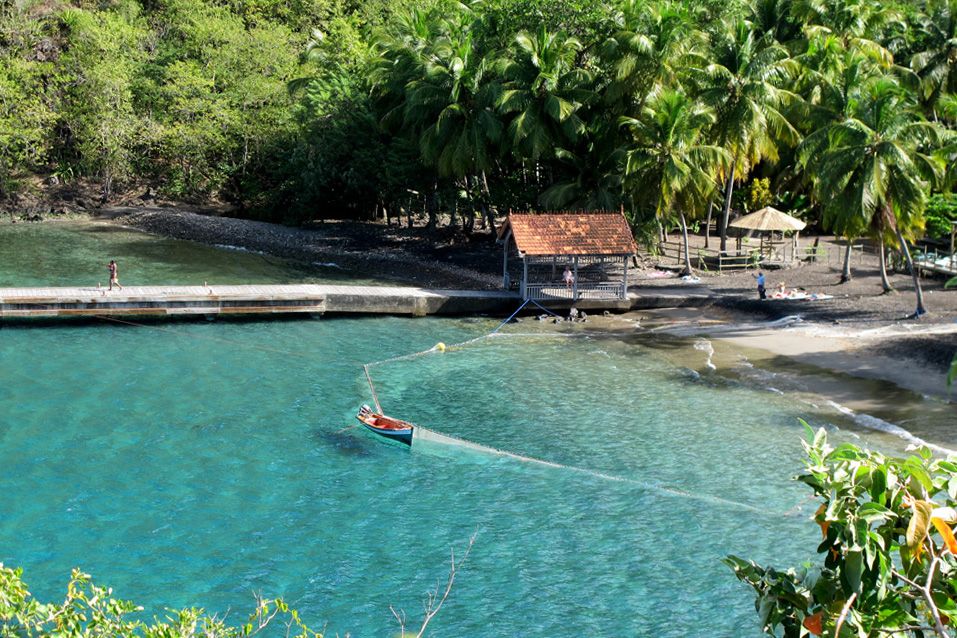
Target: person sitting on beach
point(780, 291)
point(568, 277)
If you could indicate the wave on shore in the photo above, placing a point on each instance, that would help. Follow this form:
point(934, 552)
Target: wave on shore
point(880, 425)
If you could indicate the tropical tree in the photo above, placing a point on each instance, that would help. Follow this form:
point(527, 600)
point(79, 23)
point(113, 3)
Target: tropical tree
point(876, 171)
point(453, 104)
point(831, 82)
point(743, 84)
point(859, 24)
point(668, 155)
point(936, 65)
point(544, 89)
point(654, 43)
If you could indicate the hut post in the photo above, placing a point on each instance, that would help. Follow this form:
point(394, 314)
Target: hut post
point(575, 281)
point(624, 278)
point(506, 284)
point(524, 276)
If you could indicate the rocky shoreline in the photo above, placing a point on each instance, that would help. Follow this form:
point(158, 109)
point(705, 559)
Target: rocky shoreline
point(350, 246)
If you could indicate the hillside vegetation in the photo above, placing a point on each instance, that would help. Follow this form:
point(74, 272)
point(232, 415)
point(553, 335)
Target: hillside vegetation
point(294, 110)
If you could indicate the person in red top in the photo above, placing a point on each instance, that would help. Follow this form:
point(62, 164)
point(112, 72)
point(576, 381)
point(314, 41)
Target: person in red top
point(113, 278)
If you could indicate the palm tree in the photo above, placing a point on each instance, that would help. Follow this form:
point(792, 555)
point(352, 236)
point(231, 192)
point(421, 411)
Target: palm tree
point(876, 172)
point(452, 104)
point(832, 81)
point(544, 89)
point(936, 65)
point(649, 50)
point(860, 24)
point(742, 84)
point(668, 156)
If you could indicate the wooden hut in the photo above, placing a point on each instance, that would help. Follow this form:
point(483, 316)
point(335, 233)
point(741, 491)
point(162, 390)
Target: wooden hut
point(595, 247)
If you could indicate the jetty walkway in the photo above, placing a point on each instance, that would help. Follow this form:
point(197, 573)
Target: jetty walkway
point(210, 301)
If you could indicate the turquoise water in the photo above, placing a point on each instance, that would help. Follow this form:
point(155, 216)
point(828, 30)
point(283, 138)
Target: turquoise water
point(193, 464)
point(76, 254)
point(196, 463)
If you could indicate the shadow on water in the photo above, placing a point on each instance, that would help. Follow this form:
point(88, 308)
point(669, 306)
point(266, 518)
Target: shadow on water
point(346, 442)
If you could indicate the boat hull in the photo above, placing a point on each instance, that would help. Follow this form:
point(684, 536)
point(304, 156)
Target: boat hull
point(386, 426)
point(402, 436)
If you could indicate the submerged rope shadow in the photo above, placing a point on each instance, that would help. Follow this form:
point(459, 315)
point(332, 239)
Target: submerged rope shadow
point(432, 436)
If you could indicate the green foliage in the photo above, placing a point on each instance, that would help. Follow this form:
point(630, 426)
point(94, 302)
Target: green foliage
point(940, 214)
point(91, 610)
point(26, 105)
point(302, 108)
point(107, 47)
point(889, 564)
point(760, 195)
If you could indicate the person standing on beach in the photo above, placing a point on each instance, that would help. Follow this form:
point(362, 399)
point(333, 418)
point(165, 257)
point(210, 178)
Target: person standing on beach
point(113, 276)
point(761, 292)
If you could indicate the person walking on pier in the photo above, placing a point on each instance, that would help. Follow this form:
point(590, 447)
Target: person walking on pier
point(113, 277)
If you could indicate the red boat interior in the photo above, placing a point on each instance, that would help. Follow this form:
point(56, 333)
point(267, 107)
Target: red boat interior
point(386, 423)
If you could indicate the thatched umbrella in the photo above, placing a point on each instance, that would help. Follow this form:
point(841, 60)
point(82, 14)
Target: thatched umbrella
point(770, 219)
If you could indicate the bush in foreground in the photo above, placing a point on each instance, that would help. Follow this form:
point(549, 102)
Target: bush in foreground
point(888, 545)
point(91, 611)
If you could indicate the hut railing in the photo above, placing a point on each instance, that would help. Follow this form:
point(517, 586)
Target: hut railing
point(597, 290)
point(709, 259)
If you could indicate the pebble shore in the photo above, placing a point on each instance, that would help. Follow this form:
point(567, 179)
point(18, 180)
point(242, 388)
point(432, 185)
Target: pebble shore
point(337, 244)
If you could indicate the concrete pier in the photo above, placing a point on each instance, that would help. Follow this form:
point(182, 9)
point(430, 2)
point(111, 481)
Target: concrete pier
point(159, 301)
point(171, 301)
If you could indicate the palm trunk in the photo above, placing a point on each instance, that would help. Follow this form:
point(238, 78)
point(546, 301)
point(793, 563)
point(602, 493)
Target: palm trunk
point(726, 211)
point(487, 208)
point(921, 310)
point(707, 226)
point(684, 241)
point(432, 206)
point(885, 283)
point(846, 272)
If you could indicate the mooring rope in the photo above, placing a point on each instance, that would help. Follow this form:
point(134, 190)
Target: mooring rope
point(375, 397)
point(510, 317)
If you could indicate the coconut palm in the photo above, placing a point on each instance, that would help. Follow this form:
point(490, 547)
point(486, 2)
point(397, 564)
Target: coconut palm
point(936, 64)
point(544, 89)
point(453, 105)
point(668, 155)
point(832, 82)
point(742, 84)
point(860, 24)
point(877, 166)
point(653, 44)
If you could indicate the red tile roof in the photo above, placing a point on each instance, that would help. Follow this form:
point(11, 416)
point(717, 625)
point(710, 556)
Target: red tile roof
point(570, 233)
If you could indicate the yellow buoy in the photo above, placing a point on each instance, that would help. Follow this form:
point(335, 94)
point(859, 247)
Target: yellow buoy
point(440, 346)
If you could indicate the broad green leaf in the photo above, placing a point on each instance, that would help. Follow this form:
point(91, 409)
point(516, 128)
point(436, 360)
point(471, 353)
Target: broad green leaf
point(917, 527)
point(853, 570)
point(878, 484)
point(875, 512)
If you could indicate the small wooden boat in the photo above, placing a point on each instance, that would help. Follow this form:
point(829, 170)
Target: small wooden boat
point(386, 426)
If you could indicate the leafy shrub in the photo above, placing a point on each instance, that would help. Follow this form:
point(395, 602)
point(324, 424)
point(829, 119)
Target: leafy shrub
point(91, 610)
point(890, 555)
point(940, 213)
